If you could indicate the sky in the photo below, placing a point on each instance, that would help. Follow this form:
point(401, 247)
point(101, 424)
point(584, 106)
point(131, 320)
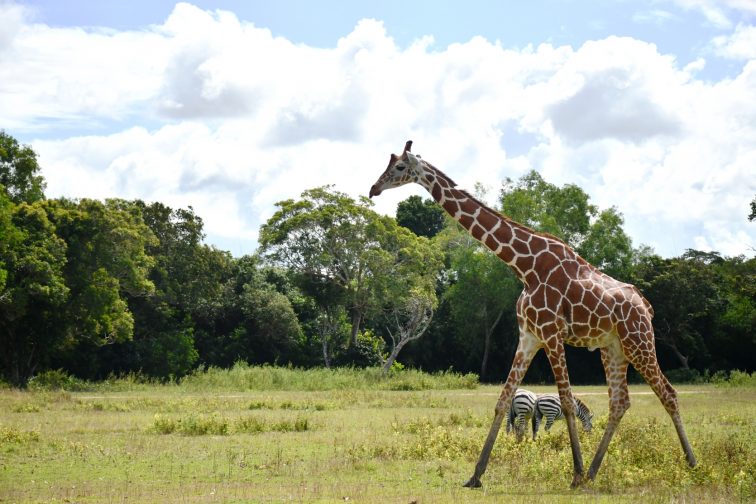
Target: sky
point(231, 106)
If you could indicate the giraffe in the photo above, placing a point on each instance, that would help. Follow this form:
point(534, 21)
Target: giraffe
point(565, 300)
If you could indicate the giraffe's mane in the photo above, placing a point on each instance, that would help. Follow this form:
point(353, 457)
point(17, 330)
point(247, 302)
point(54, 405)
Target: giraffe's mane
point(511, 221)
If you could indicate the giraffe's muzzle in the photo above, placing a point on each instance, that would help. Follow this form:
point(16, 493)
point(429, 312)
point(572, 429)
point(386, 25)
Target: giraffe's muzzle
point(375, 191)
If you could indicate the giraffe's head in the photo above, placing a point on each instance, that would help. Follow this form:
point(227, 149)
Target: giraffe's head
point(401, 170)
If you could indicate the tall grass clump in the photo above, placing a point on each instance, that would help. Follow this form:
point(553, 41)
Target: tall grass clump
point(242, 376)
point(216, 425)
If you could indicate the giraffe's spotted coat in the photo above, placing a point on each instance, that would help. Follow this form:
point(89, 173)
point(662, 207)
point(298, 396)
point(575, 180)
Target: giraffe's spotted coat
point(565, 300)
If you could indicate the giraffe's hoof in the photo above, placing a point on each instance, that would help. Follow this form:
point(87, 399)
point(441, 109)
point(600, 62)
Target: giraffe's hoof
point(473, 482)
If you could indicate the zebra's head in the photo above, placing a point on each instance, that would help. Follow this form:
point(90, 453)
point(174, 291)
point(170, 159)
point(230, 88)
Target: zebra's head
point(588, 422)
point(585, 415)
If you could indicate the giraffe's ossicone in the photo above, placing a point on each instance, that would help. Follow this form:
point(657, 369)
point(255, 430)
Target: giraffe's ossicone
point(565, 300)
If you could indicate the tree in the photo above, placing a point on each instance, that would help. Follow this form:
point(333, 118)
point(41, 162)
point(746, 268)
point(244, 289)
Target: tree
point(19, 171)
point(189, 278)
point(735, 342)
point(483, 288)
point(33, 290)
point(561, 211)
point(566, 213)
point(325, 238)
point(9, 234)
point(686, 297)
point(405, 284)
point(607, 246)
point(105, 263)
point(411, 318)
point(268, 330)
point(752, 215)
point(422, 217)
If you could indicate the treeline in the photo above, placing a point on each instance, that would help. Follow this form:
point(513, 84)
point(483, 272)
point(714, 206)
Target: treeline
point(101, 288)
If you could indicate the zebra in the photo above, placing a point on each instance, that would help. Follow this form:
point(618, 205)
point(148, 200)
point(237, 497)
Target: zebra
point(550, 406)
point(521, 409)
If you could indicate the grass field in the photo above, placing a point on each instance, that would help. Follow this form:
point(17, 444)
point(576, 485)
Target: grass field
point(401, 441)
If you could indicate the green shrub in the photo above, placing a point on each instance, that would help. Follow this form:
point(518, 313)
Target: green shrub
point(741, 379)
point(734, 378)
point(56, 379)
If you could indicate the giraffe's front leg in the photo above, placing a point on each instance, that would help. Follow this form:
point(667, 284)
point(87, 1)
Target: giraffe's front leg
point(526, 350)
point(555, 352)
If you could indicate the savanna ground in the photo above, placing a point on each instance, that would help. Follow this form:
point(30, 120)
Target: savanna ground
point(272, 435)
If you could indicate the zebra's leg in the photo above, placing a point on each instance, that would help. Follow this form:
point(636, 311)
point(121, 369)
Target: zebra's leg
point(536, 420)
point(555, 352)
point(526, 350)
point(520, 427)
point(615, 367)
point(550, 419)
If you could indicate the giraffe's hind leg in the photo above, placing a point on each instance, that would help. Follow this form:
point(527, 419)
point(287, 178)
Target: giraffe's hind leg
point(640, 351)
point(615, 367)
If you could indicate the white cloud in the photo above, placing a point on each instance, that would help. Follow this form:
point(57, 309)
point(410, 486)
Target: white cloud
point(720, 12)
point(654, 16)
point(221, 115)
point(741, 44)
point(713, 10)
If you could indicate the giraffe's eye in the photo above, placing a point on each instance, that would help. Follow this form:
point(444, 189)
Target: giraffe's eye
point(400, 167)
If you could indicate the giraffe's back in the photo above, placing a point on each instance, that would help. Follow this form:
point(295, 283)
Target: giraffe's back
point(595, 304)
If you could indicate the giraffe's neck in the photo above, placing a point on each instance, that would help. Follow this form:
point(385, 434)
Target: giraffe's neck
point(507, 239)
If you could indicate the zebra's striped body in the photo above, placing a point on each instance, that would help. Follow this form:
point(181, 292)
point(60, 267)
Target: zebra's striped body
point(522, 408)
point(550, 406)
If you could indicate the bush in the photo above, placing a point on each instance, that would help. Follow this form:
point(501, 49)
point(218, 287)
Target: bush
point(56, 379)
point(367, 351)
point(738, 378)
point(684, 376)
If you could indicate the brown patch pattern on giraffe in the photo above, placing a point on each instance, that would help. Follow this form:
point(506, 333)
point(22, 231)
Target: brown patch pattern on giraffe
point(565, 300)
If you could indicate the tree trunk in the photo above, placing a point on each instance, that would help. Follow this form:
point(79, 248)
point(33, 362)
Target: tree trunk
point(326, 357)
point(356, 321)
point(326, 329)
point(391, 358)
point(682, 358)
point(665, 338)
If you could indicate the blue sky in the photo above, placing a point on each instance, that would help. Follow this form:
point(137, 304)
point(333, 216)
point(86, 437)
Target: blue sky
point(230, 106)
point(676, 28)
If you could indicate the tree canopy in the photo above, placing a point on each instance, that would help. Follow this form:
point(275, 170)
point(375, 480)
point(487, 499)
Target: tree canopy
point(19, 171)
point(421, 216)
point(103, 287)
